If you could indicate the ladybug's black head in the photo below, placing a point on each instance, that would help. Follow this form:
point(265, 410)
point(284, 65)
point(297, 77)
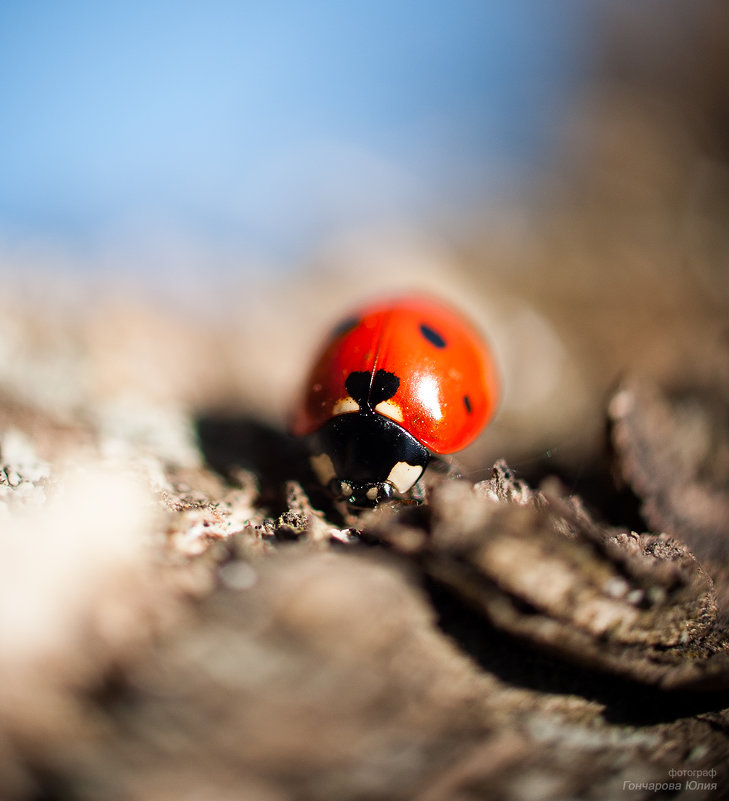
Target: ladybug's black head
point(364, 459)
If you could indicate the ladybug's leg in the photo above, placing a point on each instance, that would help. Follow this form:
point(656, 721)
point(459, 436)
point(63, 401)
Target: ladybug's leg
point(444, 466)
point(417, 493)
point(439, 468)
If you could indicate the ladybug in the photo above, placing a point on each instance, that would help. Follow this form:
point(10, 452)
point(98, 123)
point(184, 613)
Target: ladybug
point(396, 384)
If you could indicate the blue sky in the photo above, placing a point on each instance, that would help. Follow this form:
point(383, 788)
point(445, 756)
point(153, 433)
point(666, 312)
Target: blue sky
point(272, 124)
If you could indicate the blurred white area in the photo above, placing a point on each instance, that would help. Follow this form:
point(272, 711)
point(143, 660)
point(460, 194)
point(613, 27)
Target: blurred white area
point(74, 572)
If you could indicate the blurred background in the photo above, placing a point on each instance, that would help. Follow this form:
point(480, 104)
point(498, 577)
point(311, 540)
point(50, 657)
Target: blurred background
point(208, 189)
point(160, 137)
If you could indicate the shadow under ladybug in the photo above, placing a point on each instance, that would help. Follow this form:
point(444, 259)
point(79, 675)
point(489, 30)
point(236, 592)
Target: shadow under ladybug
point(229, 441)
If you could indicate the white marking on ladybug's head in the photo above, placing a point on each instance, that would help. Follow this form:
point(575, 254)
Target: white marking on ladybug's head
point(388, 408)
point(345, 406)
point(346, 489)
point(323, 467)
point(371, 493)
point(404, 475)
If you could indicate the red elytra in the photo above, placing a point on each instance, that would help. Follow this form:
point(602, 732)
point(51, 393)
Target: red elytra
point(448, 384)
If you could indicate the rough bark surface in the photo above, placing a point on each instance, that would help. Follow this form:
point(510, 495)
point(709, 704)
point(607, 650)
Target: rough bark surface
point(184, 614)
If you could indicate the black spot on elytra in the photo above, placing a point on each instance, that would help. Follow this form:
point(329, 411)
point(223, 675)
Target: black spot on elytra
point(358, 386)
point(369, 390)
point(344, 327)
point(384, 386)
point(432, 336)
point(467, 404)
